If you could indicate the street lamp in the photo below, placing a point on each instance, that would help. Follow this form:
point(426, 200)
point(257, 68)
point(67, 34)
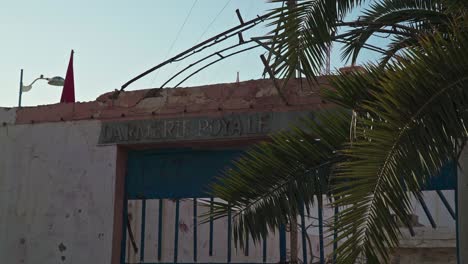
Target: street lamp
point(55, 81)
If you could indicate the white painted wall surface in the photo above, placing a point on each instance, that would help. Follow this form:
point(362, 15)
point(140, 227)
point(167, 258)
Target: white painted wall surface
point(56, 194)
point(57, 201)
point(7, 116)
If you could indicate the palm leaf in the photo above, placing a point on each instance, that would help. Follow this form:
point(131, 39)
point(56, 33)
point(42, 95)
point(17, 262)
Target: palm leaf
point(265, 187)
point(409, 121)
point(413, 126)
point(303, 32)
point(407, 19)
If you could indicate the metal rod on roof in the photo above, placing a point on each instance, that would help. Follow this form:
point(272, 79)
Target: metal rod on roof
point(213, 62)
point(217, 41)
point(250, 22)
point(200, 60)
point(257, 40)
point(273, 78)
point(239, 17)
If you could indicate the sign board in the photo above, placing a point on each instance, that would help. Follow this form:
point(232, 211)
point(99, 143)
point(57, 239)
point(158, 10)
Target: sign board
point(197, 128)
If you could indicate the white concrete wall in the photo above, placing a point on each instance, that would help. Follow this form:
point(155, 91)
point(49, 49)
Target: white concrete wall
point(56, 193)
point(57, 202)
point(7, 116)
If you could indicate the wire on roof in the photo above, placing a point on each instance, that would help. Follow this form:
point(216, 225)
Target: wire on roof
point(214, 19)
point(177, 36)
point(204, 32)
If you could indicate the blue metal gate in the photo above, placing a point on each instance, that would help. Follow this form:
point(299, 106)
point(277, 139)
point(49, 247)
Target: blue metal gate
point(166, 193)
point(171, 186)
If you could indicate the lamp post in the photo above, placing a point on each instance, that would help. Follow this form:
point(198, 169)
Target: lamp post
point(20, 88)
point(55, 81)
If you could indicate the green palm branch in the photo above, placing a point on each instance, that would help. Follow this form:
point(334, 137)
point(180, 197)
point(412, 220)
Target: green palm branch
point(407, 120)
point(413, 125)
point(303, 32)
point(266, 186)
point(400, 21)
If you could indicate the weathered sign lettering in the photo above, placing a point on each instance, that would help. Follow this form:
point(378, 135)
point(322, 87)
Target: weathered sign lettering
point(229, 126)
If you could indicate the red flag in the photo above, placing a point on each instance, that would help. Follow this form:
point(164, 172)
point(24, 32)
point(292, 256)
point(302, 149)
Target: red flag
point(68, 92)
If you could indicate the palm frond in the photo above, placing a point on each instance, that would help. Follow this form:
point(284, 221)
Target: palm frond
point(305, 32)
point(409, 120)
point(397, 44)
point(265, 187)
point(397, 18)
point(414, 124)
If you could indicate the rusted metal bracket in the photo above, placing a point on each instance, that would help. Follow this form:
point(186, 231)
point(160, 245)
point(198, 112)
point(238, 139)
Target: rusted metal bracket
point(272, 77)
point(277, 55)
point(239, 17)
point(241, 38)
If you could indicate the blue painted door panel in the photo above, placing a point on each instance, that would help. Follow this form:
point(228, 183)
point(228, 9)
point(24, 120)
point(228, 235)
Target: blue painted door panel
point(445, 180)
point(187, 173)
point(175, 174)
point(178, 176)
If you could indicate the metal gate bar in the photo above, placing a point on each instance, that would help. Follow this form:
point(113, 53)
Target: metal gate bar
point(282, 239)
point(427, 212)
point(195, 214)
point(211, 227)
point(229, 234)
point(446, 204)
point(335, 234)
point(143, 225)
point(176, 237)
point(303, 233)
point(320, 217)
point(123, 247)
point(160, 220)
point(142, 248)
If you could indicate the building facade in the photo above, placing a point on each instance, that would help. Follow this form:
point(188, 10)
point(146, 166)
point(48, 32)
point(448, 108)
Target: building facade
point(122, 179)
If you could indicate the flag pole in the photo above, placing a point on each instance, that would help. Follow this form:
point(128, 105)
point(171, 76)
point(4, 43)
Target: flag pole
point(20, 88)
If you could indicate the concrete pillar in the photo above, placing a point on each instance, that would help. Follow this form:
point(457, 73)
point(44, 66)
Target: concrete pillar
point(463, 207)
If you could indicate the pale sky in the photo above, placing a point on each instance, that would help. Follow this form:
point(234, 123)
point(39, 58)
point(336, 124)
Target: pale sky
point(115, 40)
